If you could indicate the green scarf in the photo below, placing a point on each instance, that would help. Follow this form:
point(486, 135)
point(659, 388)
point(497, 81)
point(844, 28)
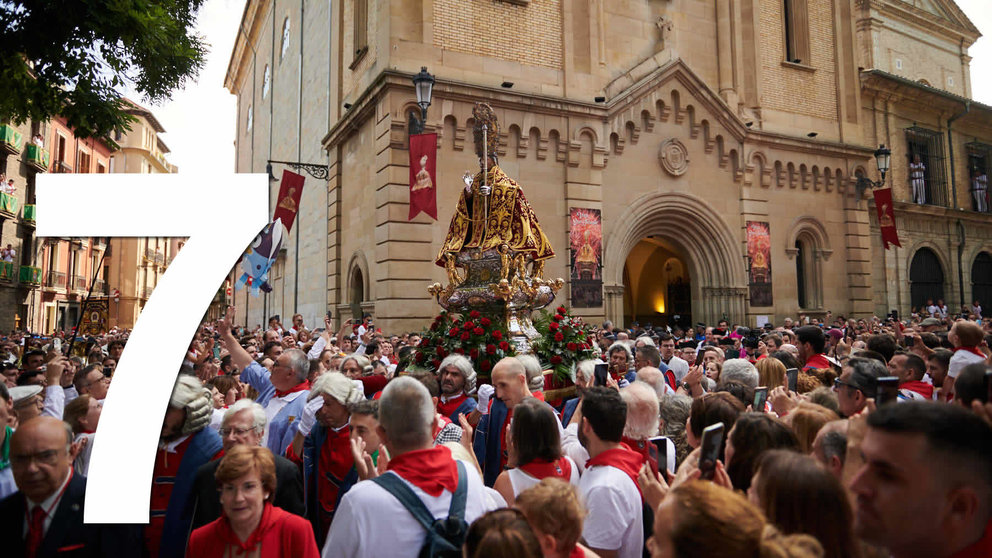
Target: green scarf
point(5, 448)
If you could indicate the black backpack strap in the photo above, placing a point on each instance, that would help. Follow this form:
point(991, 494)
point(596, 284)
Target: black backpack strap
point(457, 509)
point(413, 504)
point(410, 501)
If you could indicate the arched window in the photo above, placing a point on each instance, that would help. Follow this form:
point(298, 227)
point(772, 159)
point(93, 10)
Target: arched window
point(926, 278)
point(981, 282)
point(357, 294)
point(808, 286)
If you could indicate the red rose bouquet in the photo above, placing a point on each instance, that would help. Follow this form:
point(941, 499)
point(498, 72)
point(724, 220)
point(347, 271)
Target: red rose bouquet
point(563, 342)
point(475, 335)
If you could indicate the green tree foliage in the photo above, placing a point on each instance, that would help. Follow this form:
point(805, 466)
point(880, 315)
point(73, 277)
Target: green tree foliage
point(71, 58)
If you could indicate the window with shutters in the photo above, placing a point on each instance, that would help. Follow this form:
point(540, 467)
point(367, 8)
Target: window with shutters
point(796, 27)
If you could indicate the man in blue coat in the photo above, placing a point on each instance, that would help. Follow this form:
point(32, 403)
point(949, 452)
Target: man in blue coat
point(456, 378)
point(510, 384)
point(282, 391)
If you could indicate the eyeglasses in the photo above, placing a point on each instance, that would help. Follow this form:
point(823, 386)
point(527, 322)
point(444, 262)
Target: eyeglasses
point(48, 457)
point(236, 431)
point(838, 383)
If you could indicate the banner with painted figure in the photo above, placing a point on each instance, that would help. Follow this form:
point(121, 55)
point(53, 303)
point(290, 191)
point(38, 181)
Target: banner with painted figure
point(259, 257)
point(290, 192)
point(886, 217)
point(423, 175)
point(759, 252)
point(95, 316)
point(586, 243)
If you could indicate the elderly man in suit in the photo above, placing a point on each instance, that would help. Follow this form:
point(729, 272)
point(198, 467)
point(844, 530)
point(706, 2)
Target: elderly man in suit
point(45, 517)
point(244, 424)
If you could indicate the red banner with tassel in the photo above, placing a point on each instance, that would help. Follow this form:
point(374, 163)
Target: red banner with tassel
point(423, 175)
point(886, 217)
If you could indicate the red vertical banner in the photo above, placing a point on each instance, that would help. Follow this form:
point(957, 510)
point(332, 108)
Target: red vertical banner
point(759, 250)
point(290, 190)
point(886, 217)
point(423, 175)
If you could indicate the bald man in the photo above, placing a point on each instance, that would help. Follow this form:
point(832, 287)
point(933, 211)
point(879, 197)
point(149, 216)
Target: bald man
point(45, 517)
point(509, 379)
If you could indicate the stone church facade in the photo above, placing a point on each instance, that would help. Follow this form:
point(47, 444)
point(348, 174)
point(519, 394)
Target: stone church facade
point(680, 121)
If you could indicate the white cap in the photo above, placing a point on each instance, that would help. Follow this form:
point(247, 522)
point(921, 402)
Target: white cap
point(21, 394)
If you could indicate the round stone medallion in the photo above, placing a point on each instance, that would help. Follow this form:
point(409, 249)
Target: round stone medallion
point(674, 157)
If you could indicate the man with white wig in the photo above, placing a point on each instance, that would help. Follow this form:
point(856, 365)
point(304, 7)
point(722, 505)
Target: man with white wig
point(456, 378)
point(244, 424)
point(184, 446)
point(322, 447)
point(371, 520)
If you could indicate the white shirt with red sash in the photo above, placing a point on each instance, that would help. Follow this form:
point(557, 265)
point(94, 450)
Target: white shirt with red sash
point(372, 522)
point(529, 475)
point(615, 520)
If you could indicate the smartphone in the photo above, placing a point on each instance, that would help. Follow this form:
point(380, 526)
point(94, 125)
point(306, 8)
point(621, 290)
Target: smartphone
point(57, 345)
point(599, 374)
point(792, 375)
point(661, 444)
point(886, 391)
point(760, 396)
point(710, 450)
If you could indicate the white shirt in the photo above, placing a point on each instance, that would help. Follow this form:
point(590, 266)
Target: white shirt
point(82, 463)
point(372, 522)
point(679, 367)
point(54, 401)
point(959, 360)
point(171, 446)
point(273, 407)
point(932, 310)
point(615, 520)
point(49, 504)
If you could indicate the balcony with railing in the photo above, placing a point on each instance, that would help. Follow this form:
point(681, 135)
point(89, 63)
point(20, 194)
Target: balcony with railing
point(36, 157)
point(8, 272)
point(28, 214)
point(78, 283)
point(62, 167)
point(99, 287)
point(55, 280)
point(8, 205)
point(10, 140)
point(30, 276)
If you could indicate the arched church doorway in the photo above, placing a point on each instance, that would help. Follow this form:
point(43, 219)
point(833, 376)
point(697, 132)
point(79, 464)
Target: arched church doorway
point(926, 277)
point(656, 284)
point(357, 293)
point(699, 240)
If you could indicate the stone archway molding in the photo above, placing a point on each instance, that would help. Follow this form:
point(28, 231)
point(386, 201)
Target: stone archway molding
point(815, 229)
point(357, 261)
point(712, 253)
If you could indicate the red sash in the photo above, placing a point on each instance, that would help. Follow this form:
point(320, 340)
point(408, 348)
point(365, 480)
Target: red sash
point(304, 385)
point(541, 469)
point(447, 408)
point(622, 458)
point(431, 470)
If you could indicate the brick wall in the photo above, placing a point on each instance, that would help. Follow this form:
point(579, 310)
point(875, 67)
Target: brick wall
point(808, 92)
point(529, 34)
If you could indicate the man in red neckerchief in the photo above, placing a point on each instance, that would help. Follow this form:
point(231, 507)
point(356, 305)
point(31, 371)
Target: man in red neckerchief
point(322, 447)
point(810, 341)
point(910, 370)
point(615, 524)
point(924, 488)
point(406, 419)
point(510, 382)
point(457, 379)
point(642, 420)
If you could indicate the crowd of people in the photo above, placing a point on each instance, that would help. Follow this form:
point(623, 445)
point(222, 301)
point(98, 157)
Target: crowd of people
point(818, 437)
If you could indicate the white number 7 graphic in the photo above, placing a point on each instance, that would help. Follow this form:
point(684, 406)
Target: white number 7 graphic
point(220, 215)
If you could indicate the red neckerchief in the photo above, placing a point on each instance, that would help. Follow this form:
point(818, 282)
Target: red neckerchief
point(231, 539)
point(87, 431)
point(542, 469)
point(577, 552)
point(445, 421)
point(922, 388)
point(447, 408)
point(431, 470)
point(971, 350)
point(982, 547)
point(302, 386)
point(622, 458)
point(643, 447)
point(817, 361)
point(539, 395)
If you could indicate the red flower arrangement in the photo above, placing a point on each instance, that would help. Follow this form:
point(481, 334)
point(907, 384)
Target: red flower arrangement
point(474, 335)
point(563, 342)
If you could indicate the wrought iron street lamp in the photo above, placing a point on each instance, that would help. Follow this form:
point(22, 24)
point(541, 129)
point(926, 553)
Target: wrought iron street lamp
point(883, 157)
point(423, 84)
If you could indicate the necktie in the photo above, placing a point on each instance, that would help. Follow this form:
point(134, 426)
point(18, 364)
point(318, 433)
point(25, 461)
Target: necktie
point(36, 529)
